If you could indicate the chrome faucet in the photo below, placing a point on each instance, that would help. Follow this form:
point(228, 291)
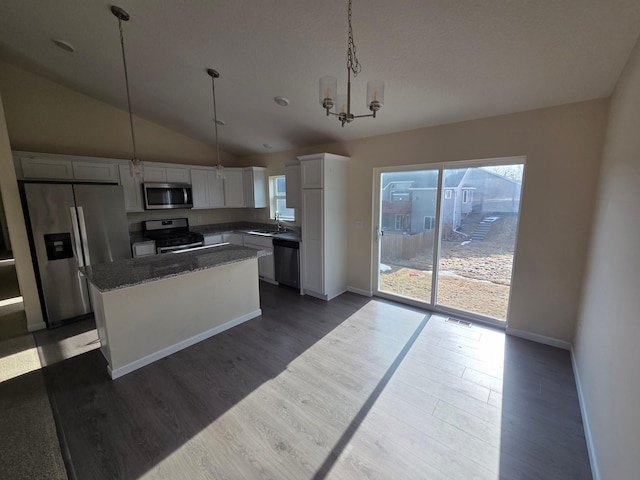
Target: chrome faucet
point(280, 226)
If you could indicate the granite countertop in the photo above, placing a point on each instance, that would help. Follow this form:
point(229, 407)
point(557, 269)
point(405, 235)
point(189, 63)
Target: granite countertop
point(128, 273)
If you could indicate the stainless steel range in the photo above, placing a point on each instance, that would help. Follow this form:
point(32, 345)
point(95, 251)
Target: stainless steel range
point(171, 235)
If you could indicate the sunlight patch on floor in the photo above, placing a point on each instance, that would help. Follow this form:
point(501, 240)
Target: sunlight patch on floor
point(57, 351)
point(10, 301)
point(17, 357)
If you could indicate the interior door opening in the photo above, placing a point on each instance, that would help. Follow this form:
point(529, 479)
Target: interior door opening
point(448, 235)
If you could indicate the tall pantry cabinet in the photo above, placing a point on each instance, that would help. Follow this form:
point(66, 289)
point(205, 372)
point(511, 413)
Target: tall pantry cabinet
point(324, 181)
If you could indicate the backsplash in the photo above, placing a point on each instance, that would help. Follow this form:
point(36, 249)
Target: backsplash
point(205, 217)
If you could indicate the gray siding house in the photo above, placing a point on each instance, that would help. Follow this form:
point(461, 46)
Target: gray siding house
point(409, 198)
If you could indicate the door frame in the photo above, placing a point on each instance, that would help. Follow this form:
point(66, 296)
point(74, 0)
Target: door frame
point(432, 306)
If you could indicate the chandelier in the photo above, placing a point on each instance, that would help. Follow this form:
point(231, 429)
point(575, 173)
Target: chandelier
point(123, 16)
point(342, 104)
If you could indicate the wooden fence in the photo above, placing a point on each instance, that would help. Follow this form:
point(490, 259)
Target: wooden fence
point(405, 246)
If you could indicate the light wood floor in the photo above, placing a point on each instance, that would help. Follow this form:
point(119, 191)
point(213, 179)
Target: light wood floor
point(355, 388)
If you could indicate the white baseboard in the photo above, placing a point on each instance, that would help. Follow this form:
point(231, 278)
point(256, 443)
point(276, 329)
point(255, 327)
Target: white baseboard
point(165, 352)
point(595, 471)
point(34, 327)
point(534, 337)
point(359, 291)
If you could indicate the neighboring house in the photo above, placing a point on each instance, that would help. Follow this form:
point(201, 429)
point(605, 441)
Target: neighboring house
point(409, 198)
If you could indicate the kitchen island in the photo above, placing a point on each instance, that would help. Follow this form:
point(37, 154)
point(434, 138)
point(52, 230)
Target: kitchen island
point(148, 308)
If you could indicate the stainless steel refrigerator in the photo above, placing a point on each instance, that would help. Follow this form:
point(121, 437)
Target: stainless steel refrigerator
point(73, 226)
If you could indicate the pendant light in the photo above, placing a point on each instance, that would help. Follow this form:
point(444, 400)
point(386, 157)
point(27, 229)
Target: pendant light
point(123, 16)
point(329, 86)
point(214, 74)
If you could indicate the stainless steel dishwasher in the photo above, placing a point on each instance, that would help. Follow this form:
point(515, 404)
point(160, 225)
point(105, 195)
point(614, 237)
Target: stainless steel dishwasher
point(286, 256)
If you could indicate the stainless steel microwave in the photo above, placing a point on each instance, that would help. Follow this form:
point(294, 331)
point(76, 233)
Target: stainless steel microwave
point(159, 196)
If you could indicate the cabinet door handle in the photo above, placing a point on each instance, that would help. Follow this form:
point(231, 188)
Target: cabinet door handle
point(83, 236)
point(76, 236)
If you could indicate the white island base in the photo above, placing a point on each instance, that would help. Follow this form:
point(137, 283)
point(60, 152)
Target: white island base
point(140, 324)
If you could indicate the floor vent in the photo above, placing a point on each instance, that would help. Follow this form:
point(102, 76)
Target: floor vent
point(455, 321)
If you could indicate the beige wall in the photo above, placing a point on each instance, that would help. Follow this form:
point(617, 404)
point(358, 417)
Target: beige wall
point(18, 231)
point(44, 116)
point(606, 342)
point(563, 147)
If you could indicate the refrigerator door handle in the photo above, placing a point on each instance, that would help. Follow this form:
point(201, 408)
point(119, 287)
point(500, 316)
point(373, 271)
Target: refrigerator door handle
point(83, 236)
point(76, 236)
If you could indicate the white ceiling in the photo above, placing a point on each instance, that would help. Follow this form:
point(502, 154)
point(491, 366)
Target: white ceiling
point(442, 60)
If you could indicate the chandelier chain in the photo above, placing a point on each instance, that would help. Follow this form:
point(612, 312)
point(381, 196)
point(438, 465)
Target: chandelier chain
point(126, 81)
point(352, 60)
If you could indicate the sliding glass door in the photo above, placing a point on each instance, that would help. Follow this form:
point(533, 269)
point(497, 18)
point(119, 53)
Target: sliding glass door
point(407, 233)
point(447, 236)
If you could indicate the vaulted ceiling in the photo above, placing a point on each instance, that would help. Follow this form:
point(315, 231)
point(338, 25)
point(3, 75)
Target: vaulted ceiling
point(442, 60)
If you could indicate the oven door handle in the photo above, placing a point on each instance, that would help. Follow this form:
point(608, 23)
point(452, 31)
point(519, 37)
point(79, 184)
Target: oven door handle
point(178, 247)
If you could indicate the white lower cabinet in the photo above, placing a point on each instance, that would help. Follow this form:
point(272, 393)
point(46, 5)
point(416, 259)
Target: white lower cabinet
point(212, 238)
point(233, 238)
point(312, 268)
point(143, 249)
point(266, 265)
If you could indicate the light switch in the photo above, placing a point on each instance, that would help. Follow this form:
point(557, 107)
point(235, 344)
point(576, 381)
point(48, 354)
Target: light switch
point(358, 224)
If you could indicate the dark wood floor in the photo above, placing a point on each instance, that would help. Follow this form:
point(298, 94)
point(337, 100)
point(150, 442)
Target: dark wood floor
point(354, 388)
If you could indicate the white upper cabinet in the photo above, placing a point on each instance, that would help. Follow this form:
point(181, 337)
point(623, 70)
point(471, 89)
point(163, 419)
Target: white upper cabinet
point(311, 171)
point(178, 175)
point(207, 189)
point(159, 173)
point(234, 188)
point(256, 190)
point(95, 171)
point(132, 185)
point(238, 188)
point(155, 174)
point(41, 166)
point(46, 168)
point(294, 192)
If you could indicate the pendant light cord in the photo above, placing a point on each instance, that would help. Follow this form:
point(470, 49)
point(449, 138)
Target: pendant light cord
point(215, 118)
point(126, 81)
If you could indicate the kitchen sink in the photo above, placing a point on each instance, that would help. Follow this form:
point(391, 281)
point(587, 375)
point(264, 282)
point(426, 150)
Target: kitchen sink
point(265, 233)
